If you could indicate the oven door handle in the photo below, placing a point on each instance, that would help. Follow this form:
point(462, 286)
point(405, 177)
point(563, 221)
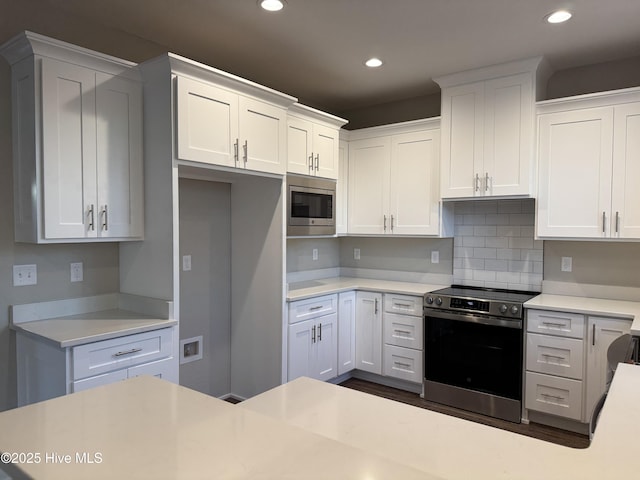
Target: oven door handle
point(466, 317)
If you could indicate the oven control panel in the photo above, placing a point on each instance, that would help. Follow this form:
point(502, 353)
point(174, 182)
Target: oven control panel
point(488, 307)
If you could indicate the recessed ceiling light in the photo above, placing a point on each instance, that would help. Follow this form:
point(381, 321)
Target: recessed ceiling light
point(373, 62)
point(272, 5)
point(559, 16)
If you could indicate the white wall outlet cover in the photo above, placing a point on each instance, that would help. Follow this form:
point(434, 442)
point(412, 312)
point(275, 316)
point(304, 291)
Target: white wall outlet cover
point(77, 274)
point(566, 264)
point(356, 254)
point(315, 254)
point(186, 263)
point(435, 256)
point(25, 275)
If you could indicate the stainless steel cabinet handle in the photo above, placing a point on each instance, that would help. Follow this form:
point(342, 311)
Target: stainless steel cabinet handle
point(246, 151)
point(317, 161)
point(593, 336)
point(486, 181)
point(391, 223)
point(313, 334)
point(127, 352)
point(477, 182)
point(384, 223)
point(320, 332)
point(105, 213)
point(311, 162)
point(91, 213)
point(617, 222)
point(604, 218)
point(235, 150)
point(552, 396)
point(376, 306)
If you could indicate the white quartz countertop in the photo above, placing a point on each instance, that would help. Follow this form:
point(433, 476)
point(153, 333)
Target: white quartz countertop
point(146, 428)
point(312, 288)
point(589, 306)
point(84, 328)
point(453, 448)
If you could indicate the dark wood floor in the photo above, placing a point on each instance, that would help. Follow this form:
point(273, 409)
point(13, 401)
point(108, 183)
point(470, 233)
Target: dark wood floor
point(535, 430)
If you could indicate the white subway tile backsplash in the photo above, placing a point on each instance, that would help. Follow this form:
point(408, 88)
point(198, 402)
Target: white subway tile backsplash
point(494, 245)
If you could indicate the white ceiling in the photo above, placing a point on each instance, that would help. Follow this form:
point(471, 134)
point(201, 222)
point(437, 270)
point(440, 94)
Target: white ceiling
point(315, 49)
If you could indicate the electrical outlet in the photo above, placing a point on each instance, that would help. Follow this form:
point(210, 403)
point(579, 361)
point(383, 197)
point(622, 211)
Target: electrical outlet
point(356, 254)
point(315, 253)
point(186, 263)
point(76, 272)
point(567, 264)
point(435, 256)
point(25, 275)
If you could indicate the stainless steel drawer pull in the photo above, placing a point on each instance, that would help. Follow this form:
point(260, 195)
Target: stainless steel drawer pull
point(408, 305)
point(405, 332)
point(127, 352)
point(557, 397)
point(318, 307)
point(548, 355)
point(552, 324)
point(400, 364)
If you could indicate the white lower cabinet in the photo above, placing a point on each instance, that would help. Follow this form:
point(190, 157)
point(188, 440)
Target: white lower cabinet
point(369, 332)
point(566, 361)
point(403, 337)
point(313, 341)
point(46, 371)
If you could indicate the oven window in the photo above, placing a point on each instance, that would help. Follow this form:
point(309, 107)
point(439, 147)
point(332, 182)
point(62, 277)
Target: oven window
point(479, 357)
point(311, 205)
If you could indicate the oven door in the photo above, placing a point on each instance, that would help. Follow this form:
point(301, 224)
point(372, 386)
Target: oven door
point(468, 352)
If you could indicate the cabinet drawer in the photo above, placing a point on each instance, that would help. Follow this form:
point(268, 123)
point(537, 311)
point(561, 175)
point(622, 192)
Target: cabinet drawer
point(555, 323)
point(555, 355)
point(403, 304)
point(122, 352)
point(404, 363)
point(98, 380)
point(403, 330)
point(555, 395)
point(312, 308)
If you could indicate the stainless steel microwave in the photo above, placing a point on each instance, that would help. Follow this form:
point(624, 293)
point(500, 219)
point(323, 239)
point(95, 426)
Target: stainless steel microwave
point(311, 206)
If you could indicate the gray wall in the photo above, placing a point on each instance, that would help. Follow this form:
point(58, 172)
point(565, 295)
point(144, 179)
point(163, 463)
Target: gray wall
point(205, 290)
point(600, 263)
point(300, 254)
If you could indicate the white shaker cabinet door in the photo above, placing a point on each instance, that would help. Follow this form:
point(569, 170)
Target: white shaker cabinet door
point(119, 157)
point(369, 332)
point(299, 146)
point(69, 153)
point(346, 332)
point(207, 123)
point(414, 200)
point(325, 148)
point(299, 351)
point(625, 211)
point(263, 136)
point(462, 140)
point(575, 164)
point(325, 348)
point(369, 186)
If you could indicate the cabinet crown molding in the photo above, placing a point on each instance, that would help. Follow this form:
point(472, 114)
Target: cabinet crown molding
point(533, 64)
point(589, 100)
point(27, 44)
point(297, 109)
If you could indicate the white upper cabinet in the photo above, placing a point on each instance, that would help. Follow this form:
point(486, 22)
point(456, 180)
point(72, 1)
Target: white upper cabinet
point(77, 132)
point(394, 180)
point(588, 149)
point(488, 130)
point(218, 126)
point(313, 142)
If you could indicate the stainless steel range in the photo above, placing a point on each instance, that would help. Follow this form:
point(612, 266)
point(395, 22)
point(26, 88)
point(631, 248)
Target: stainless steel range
point(473, 349)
